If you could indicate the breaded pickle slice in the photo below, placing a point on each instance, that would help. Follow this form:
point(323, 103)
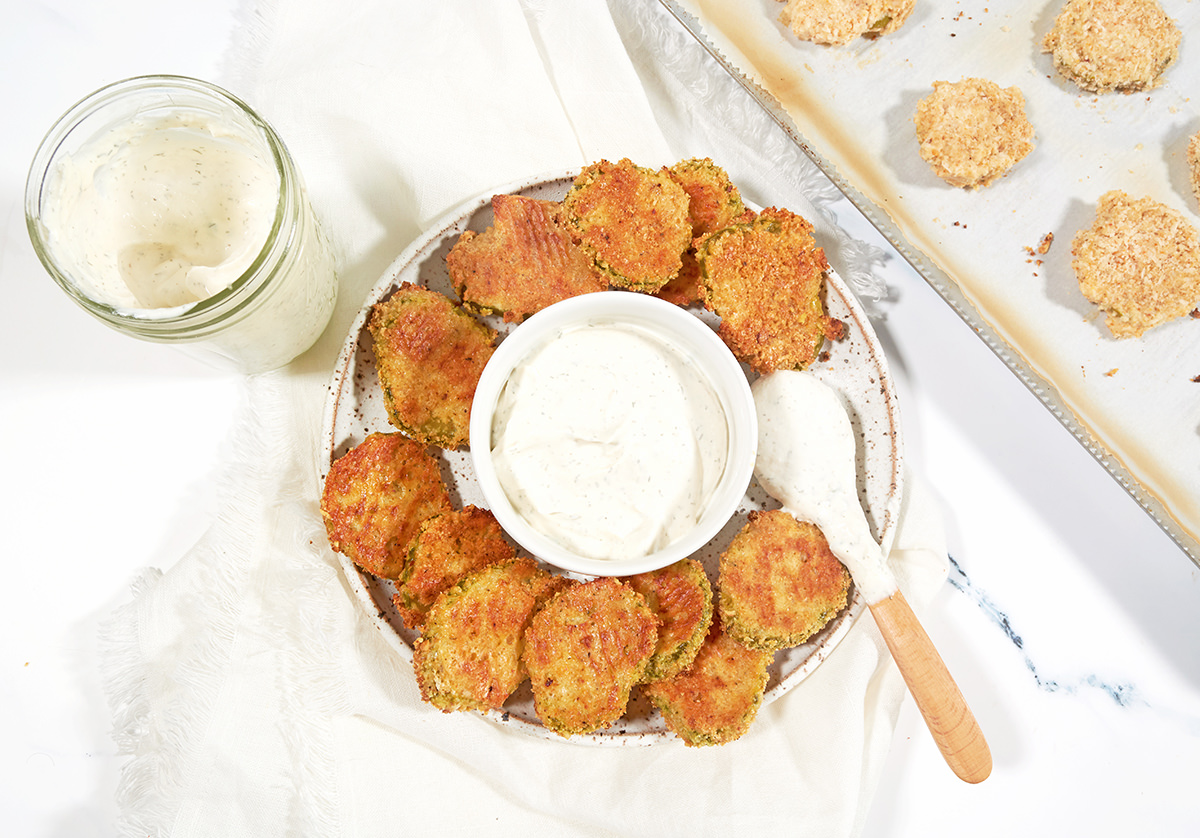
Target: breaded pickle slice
point(686, 288)
point(1113, 45)
point(430, 354)
point(524, 262)
point(765, 277)
point(680, 596)
point(584, 651)
point(713, 199)
point(632, 221)
point(715, 699)
point(972, 132)
point(713, 202)
point(468, 657)
point(833, 22)
point(376, 497)
point(445, 549)
point(1139, 262)
point(779, 583)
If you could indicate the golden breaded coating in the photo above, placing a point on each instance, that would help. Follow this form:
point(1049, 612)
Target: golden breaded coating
point(1113, 45)
point(715, 700)
point(713, 203)
point(632, 221)
point(765, 277)
point(429, 354)
point(713, 200)
point(376, 497)
point(1193, 163)
point(444, 550)
point(972, 131)
point(524, 262)
point(1139, 262)
point(680, 596)
point(584, 651)
point(841, 21)
point(469, 655)
point(779, 583)
point(687, 288)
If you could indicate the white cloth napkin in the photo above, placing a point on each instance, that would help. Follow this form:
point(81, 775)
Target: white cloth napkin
point(252, 695)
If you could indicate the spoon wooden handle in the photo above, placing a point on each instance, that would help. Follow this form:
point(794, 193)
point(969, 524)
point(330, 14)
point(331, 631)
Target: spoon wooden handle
point(950, 720)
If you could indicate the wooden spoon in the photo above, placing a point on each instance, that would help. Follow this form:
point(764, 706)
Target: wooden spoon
point(806, 461)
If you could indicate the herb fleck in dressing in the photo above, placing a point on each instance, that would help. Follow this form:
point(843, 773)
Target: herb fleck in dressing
point(162, 213)
point(610, 441)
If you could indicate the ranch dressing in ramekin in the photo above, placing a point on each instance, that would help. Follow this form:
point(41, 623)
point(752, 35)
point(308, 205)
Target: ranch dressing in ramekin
point(609, 440)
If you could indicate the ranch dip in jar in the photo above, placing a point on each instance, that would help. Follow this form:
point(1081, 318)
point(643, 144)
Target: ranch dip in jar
point(172, 212)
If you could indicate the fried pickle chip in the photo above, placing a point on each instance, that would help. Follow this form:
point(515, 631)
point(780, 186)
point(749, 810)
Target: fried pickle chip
point(765, 276)
point(1113, 45)
point(469, 655)
point(445, 549)
point(1139, 262)
point(680, 596)
point(713, 202)
point(779, 583)
point(430, 354)
point(632, 221)
point(376, 497)
point(715, 699)
point(584, 651)
point(524, 262)
point(687, 288)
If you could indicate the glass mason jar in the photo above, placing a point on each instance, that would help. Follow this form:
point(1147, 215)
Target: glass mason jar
point(135, 237)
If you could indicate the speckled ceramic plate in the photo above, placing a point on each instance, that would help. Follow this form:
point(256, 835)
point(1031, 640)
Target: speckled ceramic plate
point(855, 366)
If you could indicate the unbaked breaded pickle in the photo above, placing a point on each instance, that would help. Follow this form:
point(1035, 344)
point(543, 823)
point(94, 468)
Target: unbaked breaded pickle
point(836, 22)
point(1113, 45)
point(1139, 262)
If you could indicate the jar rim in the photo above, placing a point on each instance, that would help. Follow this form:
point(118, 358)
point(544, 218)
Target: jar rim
point(229, 300)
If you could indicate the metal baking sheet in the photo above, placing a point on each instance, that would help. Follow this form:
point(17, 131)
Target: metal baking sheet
point(1133, 403)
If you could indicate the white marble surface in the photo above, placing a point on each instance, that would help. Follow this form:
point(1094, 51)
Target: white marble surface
point(1071, 622)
